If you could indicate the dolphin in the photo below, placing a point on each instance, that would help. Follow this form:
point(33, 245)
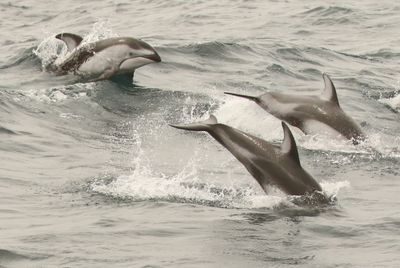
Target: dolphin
point(104, 59)
point(269, 164)
point(311, 114)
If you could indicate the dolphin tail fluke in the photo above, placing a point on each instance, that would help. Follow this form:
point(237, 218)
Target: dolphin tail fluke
point(199, 126)
point(242, 96)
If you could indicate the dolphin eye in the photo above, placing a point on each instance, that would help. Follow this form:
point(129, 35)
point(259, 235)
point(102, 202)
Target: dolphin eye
point(131, 54)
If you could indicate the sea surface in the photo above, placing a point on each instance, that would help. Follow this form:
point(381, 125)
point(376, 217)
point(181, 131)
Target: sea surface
point(91, 175)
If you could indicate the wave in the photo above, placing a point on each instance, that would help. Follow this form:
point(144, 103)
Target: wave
point(4, 130)
point(217, 49)
point(24, 58)
point(327, 11)
point(383, 53)
point(9, 256)
point(184, 188)
point(331, 15)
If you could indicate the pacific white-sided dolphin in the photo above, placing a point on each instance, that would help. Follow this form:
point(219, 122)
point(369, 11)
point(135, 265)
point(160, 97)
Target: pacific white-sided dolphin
point(311, 114)
point(104, 59)
point(269, 164)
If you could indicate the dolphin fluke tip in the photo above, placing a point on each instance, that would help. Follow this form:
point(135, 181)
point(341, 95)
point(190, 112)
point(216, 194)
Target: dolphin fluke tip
point(199, 126)
point(177, 126)
point(253, 98)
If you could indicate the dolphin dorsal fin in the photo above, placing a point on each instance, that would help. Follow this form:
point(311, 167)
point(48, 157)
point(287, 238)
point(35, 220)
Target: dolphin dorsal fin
point(329, 92)
point(71, 40)
point(289, 146)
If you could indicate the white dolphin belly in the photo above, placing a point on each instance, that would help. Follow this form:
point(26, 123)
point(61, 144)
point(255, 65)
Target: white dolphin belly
point(105, 60)
point(312, 126)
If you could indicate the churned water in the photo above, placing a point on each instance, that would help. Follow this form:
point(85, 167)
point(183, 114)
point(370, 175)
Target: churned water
point(91, 174)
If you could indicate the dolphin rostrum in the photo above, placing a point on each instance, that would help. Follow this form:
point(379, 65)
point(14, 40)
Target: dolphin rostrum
point(269, 164)
point(311, 114)
point(104, 59)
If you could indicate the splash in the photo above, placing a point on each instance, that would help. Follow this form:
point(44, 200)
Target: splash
point(187, 186)
point(333, 188)
point(59, 94)
point(49, 50)
point(100, 30)
point(247, 116)
point(52, 51)
point(190, 186)
point(393, 103)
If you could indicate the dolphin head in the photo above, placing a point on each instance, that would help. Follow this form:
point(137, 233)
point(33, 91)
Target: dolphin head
point(135, 53)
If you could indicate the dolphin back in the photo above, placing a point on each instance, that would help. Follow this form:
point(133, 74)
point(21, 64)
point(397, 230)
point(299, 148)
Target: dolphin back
point(199, 126)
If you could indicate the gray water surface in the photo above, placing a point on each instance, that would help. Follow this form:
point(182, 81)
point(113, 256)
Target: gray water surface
point(91, 174)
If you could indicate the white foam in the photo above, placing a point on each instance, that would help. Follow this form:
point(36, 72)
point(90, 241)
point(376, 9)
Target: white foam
point(189, 186)
point(70, 116)
point(59, 94)
point(52, 50)
point(100, 30)
point(394, 102)
point(144, 185)
point(49, 51)
point(247, 116)
point(332, 188)
point(186, 186)
point(386, 145)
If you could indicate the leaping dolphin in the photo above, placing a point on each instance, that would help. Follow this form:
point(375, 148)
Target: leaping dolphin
point(311, 114)
point(269, 164)
point(104, 59)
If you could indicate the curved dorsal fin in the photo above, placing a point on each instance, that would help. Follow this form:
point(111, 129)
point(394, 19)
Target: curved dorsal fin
point(71, 40)
point(329, 92)
point(289, 146)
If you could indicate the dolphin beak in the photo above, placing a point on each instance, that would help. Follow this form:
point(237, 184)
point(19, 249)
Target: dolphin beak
point(154, 57)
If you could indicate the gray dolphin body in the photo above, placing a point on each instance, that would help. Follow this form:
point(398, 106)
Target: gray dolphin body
point(311, 114)
point(269, 164)
point(104, 59)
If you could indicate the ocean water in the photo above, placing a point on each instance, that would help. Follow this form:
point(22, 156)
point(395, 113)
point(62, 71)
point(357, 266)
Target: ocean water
point(91, 174)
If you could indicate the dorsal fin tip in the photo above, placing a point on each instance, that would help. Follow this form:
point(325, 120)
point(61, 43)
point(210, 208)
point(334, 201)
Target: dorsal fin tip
point(71, 40)
point(329, 92)
point(212, 119)
point(289, 146)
